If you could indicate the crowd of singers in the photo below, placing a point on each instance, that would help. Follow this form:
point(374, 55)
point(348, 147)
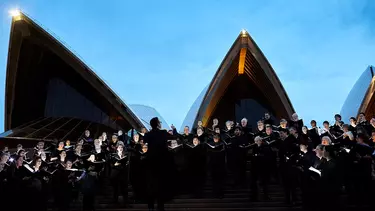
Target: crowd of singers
point(323, 163)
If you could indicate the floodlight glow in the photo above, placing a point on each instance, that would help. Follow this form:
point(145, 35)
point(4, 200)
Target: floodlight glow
point(15, 13)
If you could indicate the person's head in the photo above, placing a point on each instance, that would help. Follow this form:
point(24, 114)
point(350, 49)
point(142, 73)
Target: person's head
point(136, 137)
point(267, 115)
point(200, 123)
point(186, 130)
point(337, 117)
point(293, 131)
point(268, 130)
point(38, 162)
point(43, 156)
point(361, 138)
point(67, 143)
point(78, 148)
point(120, 147)
point(21, 152)
point(100, 138)
point(303, 147)
point(61, 145)
point(215, 121)
point(80, 142)
point(199, 131)
point(4, 157)
point(228, 124)
point(373, 135)
point(97, 143)
point(5, 149)
point(328, 152)
point(326, 124)
point(326, 140)
point(313, 123)
point(104, 135)
point(260, 125)
point(114, 138)
point(19, 147)
point(304, 130)
point(353, 120)
point(144, 148)
point(295, 117)
point(283, 133)
point(68, 164)
point(283, 123)
point(217, 130)
point(362, 117)
point(258, 140)
point(62, 155)
point(243, 122)
point(319, 150)
point(119, 132)
point(40, 145)
point(155, 123)
point(237, 131)
point(195, 141)
point(87, 133)
point(19, 160)
point(216, 138)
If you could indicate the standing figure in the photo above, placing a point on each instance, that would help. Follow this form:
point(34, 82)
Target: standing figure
point(216, 154)
point(261, 164)
point(119, 175)
point(162, 169)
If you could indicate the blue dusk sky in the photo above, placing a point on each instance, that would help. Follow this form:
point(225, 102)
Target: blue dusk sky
point(163, 53)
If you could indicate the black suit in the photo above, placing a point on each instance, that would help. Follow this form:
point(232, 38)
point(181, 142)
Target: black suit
point(162, 169)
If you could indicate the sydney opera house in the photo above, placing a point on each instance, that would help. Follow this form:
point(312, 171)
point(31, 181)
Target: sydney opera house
point(51, 94)
point(245, 85)
point(361, 98)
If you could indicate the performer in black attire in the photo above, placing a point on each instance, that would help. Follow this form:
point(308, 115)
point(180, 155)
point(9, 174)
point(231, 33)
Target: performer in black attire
point(202, 136)
point(186, 137)
point(361, 169)
point(240, 144)
point(320, 160)
point(119, 173)
point(330, 180)
point(273, 138)
point(314, 134)
point(261, 131)
point(363, 126)
point(296, 123)
point(353, 125)
point(288, 154)
point(267, 119)
point(260, 164)
point(196, 171)
point(162, 168)
point(216, 154)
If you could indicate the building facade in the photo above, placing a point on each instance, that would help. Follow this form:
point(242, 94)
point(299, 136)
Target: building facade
point(361, 97)
point(245, 85)
point(51, 94)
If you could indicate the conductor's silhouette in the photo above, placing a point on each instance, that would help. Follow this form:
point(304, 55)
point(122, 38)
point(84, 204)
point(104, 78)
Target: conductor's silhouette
point(161, 166)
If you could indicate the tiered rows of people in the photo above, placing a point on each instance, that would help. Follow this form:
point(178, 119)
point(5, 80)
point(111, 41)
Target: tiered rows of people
point(318, 161)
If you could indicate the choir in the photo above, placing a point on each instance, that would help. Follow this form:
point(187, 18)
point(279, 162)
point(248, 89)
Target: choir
point(312, 164)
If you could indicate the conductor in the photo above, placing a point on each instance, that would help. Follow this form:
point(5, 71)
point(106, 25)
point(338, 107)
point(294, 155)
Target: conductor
point(162, 169)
